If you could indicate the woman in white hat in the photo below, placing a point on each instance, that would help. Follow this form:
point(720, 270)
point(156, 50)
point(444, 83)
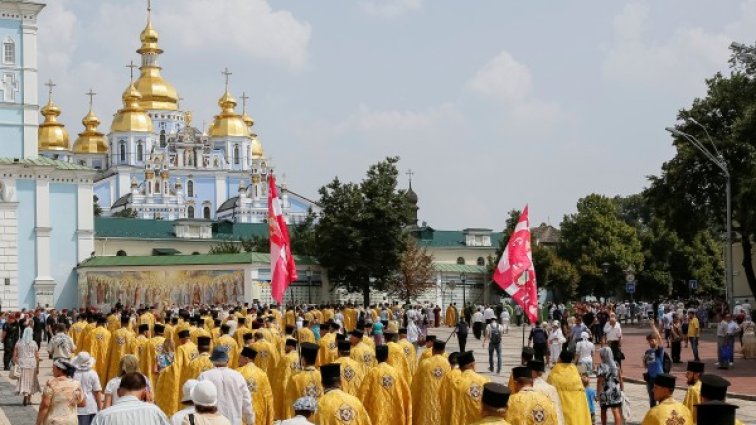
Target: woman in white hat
point(205, 398)
point(61, 396)
point(556, 340)
point(90, 386)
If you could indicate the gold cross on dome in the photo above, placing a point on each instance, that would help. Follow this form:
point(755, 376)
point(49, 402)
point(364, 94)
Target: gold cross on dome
point(131, 66)
point(50, 86)
point(244, 98)
point(410, 173)
point(91, 95)
point(227, 73)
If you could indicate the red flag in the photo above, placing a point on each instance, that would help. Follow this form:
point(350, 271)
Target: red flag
point(283, 271)
point(515, 272)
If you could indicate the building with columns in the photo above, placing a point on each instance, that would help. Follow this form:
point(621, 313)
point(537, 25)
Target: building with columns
point(46, 217)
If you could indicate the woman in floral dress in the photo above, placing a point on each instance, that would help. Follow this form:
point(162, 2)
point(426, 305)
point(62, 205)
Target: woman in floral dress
point(609, 386)
point(61, 397)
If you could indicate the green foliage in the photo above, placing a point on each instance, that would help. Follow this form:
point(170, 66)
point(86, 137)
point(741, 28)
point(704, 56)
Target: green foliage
point(256, 243)
point(415, 274)
point(359, 237)
point(96, 209)
point(225, 247)
point(303, 236)
point(690, 192)
point(596, 235)
point(125, 213)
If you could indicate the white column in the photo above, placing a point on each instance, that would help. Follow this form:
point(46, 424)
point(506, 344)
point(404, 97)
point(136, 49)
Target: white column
point(29, 77)
point(9, 246)
point(221, 192)
point(44, 284)
point(124, 184)
point(84, 222)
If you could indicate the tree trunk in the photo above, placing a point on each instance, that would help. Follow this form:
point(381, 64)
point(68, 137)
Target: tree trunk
point(366, 293)
point(747, 261)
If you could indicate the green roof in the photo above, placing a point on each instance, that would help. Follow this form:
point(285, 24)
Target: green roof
point(458, 268)
point(135, 228)
point(44, 161)
point(450, 238)
point(187, 260)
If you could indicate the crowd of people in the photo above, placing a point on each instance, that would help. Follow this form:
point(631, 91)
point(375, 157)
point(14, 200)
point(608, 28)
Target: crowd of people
point(343, 364)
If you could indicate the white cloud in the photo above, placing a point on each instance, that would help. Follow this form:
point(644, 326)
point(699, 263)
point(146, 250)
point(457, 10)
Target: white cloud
point(399, 122)
point(390, 8)
point(249, 27)
point(503, 78)
point(679, 62)
point(57, 32)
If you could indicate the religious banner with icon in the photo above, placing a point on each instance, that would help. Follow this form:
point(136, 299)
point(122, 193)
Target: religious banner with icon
point(163, 288)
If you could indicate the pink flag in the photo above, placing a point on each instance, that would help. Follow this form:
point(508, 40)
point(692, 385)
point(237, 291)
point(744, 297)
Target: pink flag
point(515, 272)
point(283, 271)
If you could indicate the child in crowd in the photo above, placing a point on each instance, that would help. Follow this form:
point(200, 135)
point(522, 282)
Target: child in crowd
point(590, 394)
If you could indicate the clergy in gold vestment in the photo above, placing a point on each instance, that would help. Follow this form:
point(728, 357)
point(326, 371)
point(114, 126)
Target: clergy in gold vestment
point(385, 393)
point(352, 373)
point(241, 330)
point(327, 351)
point(288, 366)
point(305, 334)
point(450, 319)
point(154, 347)
point(397, 359)
point(121, 342)
point(141, 351)
point(114, 321)
point(166, 390)
point(267, 354)
point(528, 406)
point(426, 385)
point(290, 318)
point(147, 318)
point(350, 318)
point(185, 353)
point(305, 382)
point(98, 348)
point(76, 332)
point(409, 351)
point(495, 400)
point(336, 407)
point(464, 393)
point(86, 336)
point(564, 376)
point(693, 394)
point(227, 341)
point(360, 352)
point(201, 363)
point(668, 411)
point(259, 387)
point(428, 349)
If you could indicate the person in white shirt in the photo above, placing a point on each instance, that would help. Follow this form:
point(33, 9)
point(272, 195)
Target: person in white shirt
point(233, 393)
point(613, 336)
point(90, 386)
point(488, 314)
point(304, 408)
point(61, 346)
point(584, 353)
point(732, 333)
point(504, 317)
point(413, 332)
point(186, 399)
point(130, 409)
point(477, 323)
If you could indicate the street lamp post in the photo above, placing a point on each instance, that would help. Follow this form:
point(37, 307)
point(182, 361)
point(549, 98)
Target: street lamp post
point(605, 267)
point(462, 278)
point(722, 165)
point(308, 273)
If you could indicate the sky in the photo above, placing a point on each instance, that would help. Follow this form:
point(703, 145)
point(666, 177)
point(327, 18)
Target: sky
point(492, 104)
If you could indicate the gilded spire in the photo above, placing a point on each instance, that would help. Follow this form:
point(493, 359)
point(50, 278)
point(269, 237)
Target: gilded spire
point(246, 118)
point(228, 123)
point(51, 135)
point(91, 140)
point(132, 117)
point(157, 93)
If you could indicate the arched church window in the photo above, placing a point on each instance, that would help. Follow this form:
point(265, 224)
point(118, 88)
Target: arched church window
point(190, 212)
point(122, 151)
point(206, 213)
point(9, 51)
point(190, 189)
point(162, 138)
point(157, 187)
point(121, 253)
point(461, 260)
point(481, 261)
point(236, 154)
point(140, 152)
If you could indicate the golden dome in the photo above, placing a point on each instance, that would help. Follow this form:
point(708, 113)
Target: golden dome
point(52, 135)
point(157, 93)
point(248, 120)
point(90, 140)
point(256, 147)
point(132, 116)
point(228, 123)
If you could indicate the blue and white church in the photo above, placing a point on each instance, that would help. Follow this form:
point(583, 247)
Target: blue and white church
point(46, 214)
point(154, 164)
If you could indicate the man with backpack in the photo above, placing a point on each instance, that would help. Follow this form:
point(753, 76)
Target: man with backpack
point(493, 336)
point(538, 337)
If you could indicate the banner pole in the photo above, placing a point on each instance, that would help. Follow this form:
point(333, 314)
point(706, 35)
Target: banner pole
point(523, 330)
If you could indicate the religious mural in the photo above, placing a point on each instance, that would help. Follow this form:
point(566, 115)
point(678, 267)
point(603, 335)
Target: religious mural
point(163, 288)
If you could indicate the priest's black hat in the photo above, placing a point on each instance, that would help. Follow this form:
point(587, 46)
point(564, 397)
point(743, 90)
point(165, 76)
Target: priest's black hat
point(715, 413)
point(249, 353)
point(495, 395)
point(344, 346)
point(439, 345)
point(714, 387)
point(697, 367)
point(537, 365)
point(521, 372)
point(665, 380)
point(466, 358)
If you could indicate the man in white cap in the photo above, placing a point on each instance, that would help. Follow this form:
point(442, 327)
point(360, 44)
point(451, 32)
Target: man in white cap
point(304, 408)
point(235, 398)
point(186, 400)
point(205, 398)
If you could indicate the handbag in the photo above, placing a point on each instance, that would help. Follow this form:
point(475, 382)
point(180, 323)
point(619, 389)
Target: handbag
point(15, 371)
point(625, 406)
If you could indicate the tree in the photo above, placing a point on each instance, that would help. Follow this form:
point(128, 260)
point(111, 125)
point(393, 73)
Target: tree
point(415, 274)
point(96, 209)
point(690, 192)
point(594, 236)
point(303, 235)
point(359, 236)
point(256, 243)
point(225, 247)
point(125, 213)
